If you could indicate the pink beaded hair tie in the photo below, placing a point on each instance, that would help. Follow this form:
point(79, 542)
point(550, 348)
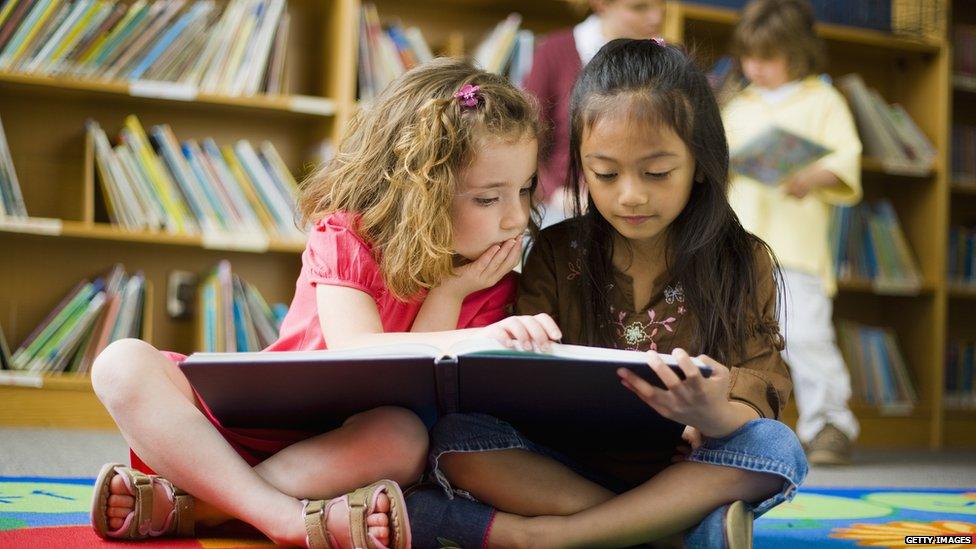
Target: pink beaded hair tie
point(659, 41)
point(469, 96)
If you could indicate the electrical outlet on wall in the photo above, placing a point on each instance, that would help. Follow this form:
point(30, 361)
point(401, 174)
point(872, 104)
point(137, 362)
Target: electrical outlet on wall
point(181, 291)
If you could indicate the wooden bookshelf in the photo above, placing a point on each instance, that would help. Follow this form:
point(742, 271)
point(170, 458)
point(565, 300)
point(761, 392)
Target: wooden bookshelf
point(915, 73)
point(322, 76)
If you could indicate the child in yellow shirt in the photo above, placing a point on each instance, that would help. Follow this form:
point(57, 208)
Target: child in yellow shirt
point(779, 52)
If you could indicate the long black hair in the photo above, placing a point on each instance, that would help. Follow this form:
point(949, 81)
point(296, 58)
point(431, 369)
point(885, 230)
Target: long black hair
point(707, 251)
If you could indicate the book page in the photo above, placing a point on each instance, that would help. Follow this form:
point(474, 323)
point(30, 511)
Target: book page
point(486, 346)
point(775, 154)
point(404, 350)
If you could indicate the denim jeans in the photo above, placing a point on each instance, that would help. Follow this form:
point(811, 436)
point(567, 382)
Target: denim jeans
point(761, 445)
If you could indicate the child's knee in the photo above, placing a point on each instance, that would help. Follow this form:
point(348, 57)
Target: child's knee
point(401, 436)
point(116, 372)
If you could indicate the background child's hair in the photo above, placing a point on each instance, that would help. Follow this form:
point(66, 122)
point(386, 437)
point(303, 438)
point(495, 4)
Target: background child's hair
point(399, 162)
point(769, 28)
point(708, 251)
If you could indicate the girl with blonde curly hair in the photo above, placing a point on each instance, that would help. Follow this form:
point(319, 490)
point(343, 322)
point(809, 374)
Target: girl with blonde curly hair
point(415, 227)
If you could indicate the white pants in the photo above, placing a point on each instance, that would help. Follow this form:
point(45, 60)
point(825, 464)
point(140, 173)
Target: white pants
point(821, 382)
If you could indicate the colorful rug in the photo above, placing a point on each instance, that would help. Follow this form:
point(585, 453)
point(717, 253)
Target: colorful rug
point(52, 512)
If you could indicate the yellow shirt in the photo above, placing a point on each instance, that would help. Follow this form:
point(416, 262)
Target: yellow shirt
point(796, 229)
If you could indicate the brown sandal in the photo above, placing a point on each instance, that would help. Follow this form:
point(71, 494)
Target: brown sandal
point(359, 504)
point(138, 523)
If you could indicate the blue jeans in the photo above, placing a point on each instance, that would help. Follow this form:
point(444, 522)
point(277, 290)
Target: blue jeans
point(762, 445)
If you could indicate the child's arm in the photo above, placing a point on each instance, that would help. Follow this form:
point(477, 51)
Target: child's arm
point(349, 318)
point(442, 305)
point(806, 181)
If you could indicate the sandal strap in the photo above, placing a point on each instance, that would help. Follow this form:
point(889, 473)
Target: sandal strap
point(183, 505)
point(358, 500)
point(315, 531)
point(142, 487)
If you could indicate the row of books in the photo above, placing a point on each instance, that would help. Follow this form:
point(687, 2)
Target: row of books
point(92, 315)
point(234, 48)
point(964, 50)
point(960, 391)
point(879, 374)
point(154, 182)
point(385, 54)
point(11, 198)
point(234, 317)
point(962, 256)
point(507, 50)
point(868, 244)
point(387, 51)
point(964, 154)
point(888, 132)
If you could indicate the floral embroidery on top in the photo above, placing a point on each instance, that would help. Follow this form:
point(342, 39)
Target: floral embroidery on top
point(575, 269)
point(674, 293)
point(636, 332)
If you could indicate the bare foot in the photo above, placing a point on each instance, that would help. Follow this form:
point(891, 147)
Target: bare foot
point(121, 502)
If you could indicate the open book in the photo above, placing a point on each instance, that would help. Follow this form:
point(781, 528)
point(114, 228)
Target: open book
point(775, 154)
point(570, 389)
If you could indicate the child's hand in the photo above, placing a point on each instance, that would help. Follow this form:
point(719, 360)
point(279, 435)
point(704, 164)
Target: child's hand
point(699, 402)
point(487, 270)
point(525, 332)
point(797, 186)
point(694, 440)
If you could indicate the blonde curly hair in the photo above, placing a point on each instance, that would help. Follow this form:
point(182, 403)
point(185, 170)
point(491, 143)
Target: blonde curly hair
point(399, 163)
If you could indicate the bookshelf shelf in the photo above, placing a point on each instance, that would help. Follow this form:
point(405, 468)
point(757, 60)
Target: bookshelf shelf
point(875, 167)
point(959, 291)
point(964, 83)
point(960, 187)
point(284, 105)
point(869, 287)
point(832, 32)
point(111, 233)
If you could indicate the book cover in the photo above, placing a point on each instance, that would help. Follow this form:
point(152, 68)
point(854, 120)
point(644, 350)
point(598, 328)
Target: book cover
point(775, 154)
point(569, 387)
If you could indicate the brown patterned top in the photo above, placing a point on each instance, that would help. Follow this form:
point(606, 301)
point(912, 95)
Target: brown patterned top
point(550, 284)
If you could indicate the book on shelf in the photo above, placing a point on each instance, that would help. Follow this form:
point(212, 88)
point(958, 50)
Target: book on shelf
point(961, 268)
point(775, 154)
point(386, 53)
point(888, 132)
point(235, 48)
point(879, 374)
point(960, 391)
point(5, 359)
point(868, 244)
point(93, 314)
point(964, 52)
point(507, 50)
point(11, 198)
point(152, 181)
point(569, 388)
point(964, 154)
point(234, 316)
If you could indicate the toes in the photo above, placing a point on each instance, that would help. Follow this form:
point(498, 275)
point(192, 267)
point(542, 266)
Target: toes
point(116, 486)
point(381, 533)
point(382, 503)
point(115, 523)
point(118, 512)
point(378, 519)
point(122, 501)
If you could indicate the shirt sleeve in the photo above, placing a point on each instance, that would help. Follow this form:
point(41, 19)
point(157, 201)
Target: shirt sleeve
point(537, 285)
point(761, 378)
point(840, 134)
point(335, 255)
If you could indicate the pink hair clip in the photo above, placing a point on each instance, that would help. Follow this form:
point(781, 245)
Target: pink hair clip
point(659, 41)
point(469, 96)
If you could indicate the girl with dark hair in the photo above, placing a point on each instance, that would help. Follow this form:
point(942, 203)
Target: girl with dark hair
point(655, 261)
